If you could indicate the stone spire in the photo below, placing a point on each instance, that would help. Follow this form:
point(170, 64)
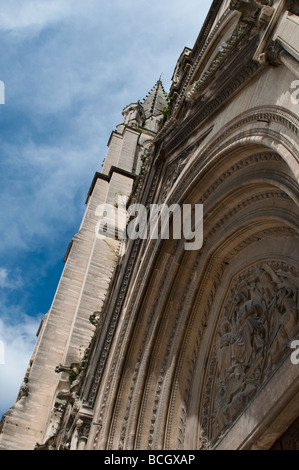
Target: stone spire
point(155, 101)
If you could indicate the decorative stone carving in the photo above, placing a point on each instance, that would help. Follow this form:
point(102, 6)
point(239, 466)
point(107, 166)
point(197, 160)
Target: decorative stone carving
point(83, 427)
point(272, 54)
point(241, 32)
point(180, 99)
point(265, 16)
point(95, 318)
point(259, 320)
point(146, 153)
point(175, 168)
point(172, 173)
point(253, 14)
point(65, 395)
point(72, 370)
point(66, 400)
point(75, 372)
point(148, 147)
point(253, 11)
point(271, 114)
point(181, 64)
point(48, 445)
point(133, 115)
point(91, 393)
point(24, 390)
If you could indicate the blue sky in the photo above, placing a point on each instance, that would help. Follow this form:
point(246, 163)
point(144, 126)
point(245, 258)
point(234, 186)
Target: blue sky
point(69, 68)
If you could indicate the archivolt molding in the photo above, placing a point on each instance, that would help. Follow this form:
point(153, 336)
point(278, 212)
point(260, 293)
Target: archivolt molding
point(268, 129)
point(268, 114)
point(123, 342)
point(168, 274)
point(240, 135)
point(154, 438)
point(270, 232)
point(128, 404)
point(226, 257)
point(210, 282)
point(142, 360)
point(245, 163)
point(277, 231)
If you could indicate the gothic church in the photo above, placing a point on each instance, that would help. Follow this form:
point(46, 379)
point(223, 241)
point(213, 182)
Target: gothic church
point(151, 346)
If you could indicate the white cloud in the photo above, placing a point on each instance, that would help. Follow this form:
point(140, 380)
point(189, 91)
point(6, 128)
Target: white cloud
point(10, 281)
point(69, 67)
point(34, 15)
point(18, 340)
point(3, 277)
point(35, 210)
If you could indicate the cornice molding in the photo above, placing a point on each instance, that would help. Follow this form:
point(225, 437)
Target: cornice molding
point(104, 177)
point(206, 109)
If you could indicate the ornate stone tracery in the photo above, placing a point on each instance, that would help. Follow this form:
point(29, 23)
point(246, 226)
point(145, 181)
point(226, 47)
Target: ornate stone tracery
point(258, 321)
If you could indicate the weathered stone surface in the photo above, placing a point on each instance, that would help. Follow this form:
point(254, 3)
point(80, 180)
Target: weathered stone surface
point(163, 348)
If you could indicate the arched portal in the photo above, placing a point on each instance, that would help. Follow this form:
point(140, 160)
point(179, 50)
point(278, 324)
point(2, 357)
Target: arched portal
point(206, 333)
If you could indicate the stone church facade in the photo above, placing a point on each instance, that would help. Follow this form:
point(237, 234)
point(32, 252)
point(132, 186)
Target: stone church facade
point(148, 345)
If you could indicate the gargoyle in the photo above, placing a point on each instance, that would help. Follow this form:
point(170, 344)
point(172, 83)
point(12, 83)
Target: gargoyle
point(94, 318)
point(48, 445)
point(73, 370)
point(66, 395)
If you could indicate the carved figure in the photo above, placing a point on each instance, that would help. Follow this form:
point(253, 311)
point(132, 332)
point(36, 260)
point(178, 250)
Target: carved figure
point(73, 370)
point(95, 317)
point(65, 395)
point(259, 320)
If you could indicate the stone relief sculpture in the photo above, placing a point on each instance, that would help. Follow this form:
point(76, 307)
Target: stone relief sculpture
point(259, 320)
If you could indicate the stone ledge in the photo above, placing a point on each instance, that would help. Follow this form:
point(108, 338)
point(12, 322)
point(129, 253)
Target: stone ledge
point(113, 169)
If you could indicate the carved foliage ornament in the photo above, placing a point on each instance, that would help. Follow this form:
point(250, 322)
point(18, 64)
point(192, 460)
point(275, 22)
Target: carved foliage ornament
point(259, 320)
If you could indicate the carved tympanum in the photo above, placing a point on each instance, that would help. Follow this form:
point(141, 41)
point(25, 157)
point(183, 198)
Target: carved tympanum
point(259, 320)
